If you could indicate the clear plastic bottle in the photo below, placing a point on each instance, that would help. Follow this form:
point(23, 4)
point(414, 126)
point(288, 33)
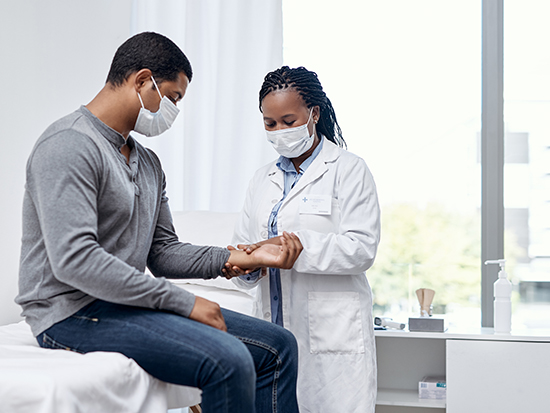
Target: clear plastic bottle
point(502, 290)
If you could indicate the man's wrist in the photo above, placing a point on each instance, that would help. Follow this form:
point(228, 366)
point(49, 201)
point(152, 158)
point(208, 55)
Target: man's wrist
point(242, 260)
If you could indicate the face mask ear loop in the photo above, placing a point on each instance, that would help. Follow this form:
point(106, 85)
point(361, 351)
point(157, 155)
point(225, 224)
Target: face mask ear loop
point(156, 87)
point(141, 101)
point(307, 123)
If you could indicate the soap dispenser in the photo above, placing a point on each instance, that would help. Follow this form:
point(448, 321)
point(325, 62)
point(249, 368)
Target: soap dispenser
point(502, 289)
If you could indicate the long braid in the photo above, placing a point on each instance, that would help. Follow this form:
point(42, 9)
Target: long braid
point(307, 84)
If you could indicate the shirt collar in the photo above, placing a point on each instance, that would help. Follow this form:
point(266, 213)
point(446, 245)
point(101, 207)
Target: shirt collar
point(109, 133)
point(286, 165)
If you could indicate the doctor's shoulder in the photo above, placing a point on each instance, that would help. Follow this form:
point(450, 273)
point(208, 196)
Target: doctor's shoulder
point(264, 171)
point(352, 163)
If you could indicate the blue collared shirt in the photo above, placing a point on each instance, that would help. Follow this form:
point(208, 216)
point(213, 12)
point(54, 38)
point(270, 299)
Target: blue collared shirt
point(291, 177)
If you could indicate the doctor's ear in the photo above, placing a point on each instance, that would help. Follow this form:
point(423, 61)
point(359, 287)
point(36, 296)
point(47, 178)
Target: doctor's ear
point(316, 114)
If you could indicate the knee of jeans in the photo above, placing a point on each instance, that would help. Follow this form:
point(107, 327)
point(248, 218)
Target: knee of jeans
point(289, 345)
point(235, 361)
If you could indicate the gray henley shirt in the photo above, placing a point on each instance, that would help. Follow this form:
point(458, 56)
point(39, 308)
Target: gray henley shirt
point(92, 223)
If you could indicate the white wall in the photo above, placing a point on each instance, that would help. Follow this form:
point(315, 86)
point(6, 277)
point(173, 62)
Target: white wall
point(54, 56)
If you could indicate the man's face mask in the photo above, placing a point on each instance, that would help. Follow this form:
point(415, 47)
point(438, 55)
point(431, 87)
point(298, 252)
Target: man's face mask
point(292, 142)
point(154, 123)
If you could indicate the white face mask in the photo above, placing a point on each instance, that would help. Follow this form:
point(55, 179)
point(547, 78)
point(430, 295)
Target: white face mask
point(292, 142)
point(154, 123)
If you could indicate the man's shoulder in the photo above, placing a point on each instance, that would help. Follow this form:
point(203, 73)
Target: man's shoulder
point(66, 123)
point(71, 133)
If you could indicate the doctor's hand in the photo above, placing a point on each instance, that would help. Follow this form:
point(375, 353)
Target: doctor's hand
point(249, 248)
point(269, 255)
point(208, 312)
point(279, 255)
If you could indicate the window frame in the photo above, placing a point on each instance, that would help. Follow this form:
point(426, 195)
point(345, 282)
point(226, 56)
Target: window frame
point(492, 151)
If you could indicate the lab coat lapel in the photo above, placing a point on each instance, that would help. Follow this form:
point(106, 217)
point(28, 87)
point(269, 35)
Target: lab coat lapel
point(276, 176)
point(318, 167)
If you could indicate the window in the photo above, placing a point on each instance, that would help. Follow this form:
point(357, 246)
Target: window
point(405, 80)
point(527, 159)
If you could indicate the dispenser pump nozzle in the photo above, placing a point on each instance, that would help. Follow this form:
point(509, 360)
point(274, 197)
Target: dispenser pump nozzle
point(501, 262)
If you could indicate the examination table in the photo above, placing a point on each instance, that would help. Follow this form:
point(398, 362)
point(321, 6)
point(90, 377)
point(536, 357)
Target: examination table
point(36, 380)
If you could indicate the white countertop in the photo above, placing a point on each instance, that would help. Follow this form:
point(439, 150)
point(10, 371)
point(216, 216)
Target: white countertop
point(537, 335)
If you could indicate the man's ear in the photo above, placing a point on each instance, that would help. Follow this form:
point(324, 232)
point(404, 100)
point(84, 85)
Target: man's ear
point(141, 77)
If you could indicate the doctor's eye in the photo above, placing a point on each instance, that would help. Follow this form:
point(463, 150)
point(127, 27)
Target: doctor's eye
point(289, 123)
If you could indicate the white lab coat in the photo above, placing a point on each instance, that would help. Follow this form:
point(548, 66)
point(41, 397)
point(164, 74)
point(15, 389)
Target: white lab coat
point(327, 301)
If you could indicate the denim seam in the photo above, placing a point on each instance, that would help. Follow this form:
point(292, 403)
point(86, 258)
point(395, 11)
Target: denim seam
point(277, 369)
point(55, 345)
point(203, 354)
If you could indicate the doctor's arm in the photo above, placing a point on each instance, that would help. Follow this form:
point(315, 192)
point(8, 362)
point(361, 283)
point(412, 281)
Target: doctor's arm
point(353, 247)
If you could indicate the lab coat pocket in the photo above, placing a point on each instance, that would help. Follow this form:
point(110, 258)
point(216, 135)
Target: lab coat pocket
point(335, 323)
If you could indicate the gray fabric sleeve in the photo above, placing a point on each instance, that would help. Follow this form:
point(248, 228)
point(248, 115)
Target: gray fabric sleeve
point(173, 259)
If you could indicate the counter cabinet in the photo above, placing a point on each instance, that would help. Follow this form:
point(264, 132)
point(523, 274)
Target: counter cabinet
point(485, 372)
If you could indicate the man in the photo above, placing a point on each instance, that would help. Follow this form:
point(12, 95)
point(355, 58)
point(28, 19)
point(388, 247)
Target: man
point(95, 214)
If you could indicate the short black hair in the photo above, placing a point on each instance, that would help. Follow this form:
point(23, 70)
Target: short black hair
point(151, 51)
point(307, 84)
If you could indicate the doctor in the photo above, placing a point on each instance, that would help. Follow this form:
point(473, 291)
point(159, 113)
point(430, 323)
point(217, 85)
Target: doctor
point(327, 196)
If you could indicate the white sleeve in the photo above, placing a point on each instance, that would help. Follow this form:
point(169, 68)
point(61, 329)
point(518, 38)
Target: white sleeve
point(353, 248)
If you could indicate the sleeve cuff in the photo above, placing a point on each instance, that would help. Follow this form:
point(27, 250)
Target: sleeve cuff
point(251, 278)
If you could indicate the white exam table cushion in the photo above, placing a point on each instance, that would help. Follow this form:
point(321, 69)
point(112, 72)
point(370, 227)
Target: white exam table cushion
point(37, 380)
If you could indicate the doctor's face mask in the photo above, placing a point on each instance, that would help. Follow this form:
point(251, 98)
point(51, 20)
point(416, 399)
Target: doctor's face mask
point(292, 142)
point(154, 123)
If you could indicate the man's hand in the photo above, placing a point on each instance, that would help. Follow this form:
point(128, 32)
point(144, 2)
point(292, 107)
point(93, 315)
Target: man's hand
point(209, 313)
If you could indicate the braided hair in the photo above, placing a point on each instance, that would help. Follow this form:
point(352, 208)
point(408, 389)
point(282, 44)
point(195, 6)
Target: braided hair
point(308, 86)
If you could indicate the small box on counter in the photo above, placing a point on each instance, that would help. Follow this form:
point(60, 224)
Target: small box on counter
point(429, 324)
point(432, 387)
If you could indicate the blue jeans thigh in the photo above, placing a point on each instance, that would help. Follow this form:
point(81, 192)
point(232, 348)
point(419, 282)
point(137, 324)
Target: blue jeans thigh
point(171, 348)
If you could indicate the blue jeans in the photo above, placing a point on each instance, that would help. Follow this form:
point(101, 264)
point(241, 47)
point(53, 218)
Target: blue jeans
point(251, 369)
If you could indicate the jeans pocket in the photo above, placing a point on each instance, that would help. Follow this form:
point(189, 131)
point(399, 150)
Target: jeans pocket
point(335, 323)
point(45, 341)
